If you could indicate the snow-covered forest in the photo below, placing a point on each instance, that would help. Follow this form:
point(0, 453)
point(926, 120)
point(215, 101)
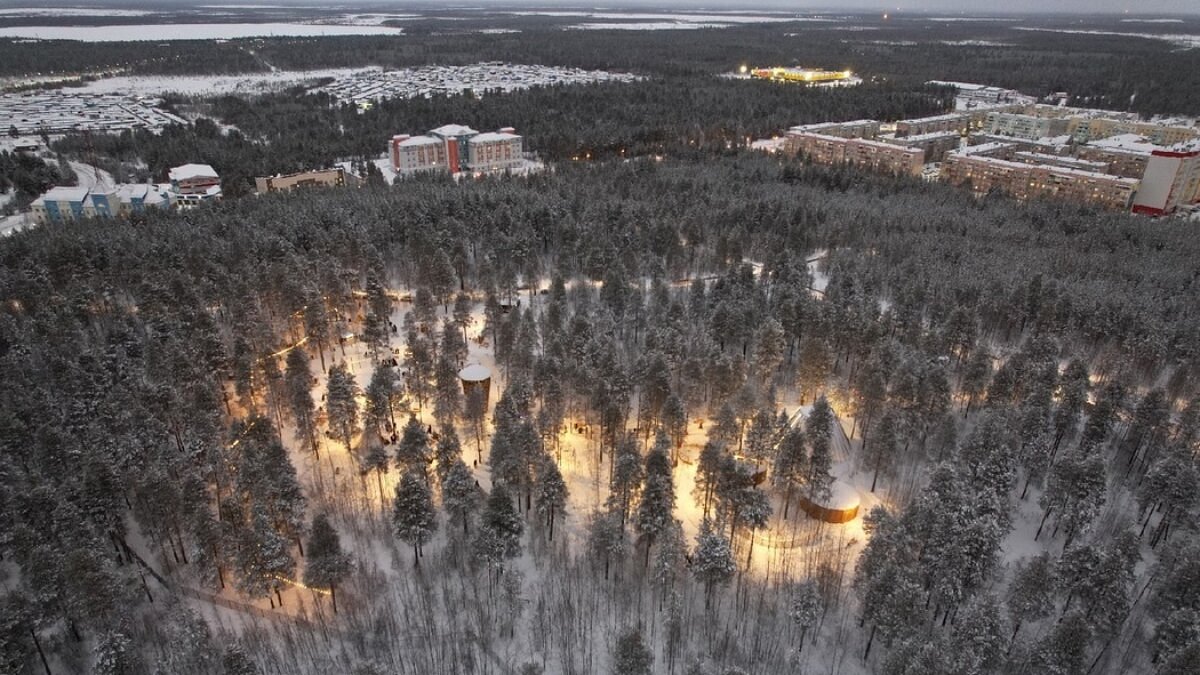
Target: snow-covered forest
point(235, 439)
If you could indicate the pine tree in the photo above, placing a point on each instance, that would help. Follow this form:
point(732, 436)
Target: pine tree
point(376, 459)
point(448, 396)
point(818, 427)
point(790, 461)
point(115, 654)
point(805, 608)
point(1064, 649)
point(626, 477)
point(413, 517)
point(882, 446)
point(297, 384)
point(262, 558)
point(447, 452)
point(499, 535)
point(712, 561)
point(1031, 593)
point(675, 421)
point(237, 662)
point(606, 537)
point(762, 432)
point(381, 393)
point(551, 493)
point(340, 404)
point(460, 496)
point(419, 364)
point(326, 565)
point(656, 511)
point(631, 657)
point(708, 473)
point(413, 451)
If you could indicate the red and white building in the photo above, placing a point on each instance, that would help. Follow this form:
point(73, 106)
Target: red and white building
point(1171, 181)
point(455, 149)
point(192, 184)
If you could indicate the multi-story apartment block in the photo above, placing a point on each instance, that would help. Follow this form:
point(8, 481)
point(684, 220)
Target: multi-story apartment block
point(861, 152)
point(1025, 181)
point(1172, 180)
point(954, 122)
point(934, 145)
point(455, 148)
point(1025, 126)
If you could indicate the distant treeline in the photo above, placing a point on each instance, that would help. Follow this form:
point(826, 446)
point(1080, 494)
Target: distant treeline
point(1120, 72)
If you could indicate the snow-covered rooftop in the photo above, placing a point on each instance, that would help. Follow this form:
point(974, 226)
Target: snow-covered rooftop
point(493, 136)
point(842, 497)
point(419, 140)
point(65, 194)
point(1130, 142)
point(188, 171)
point(449, 130)
point(474, 373)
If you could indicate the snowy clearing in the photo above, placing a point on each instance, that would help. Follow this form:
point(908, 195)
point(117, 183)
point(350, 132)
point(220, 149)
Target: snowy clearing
point(190, 31)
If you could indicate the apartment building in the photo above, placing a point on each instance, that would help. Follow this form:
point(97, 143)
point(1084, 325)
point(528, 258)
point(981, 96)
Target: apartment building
point(455, 148)
point(985, 173)
point(1171, 181)
point(335, 177)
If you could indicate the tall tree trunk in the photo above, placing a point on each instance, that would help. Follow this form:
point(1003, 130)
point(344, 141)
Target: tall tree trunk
point(869, 641)
point(41, 654)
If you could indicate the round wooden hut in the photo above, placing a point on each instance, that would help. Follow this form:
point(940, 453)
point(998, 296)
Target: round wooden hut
point(476, 377)
point(841, 507)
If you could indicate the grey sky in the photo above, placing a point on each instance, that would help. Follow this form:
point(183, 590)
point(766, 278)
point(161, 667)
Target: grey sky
point(951, 7)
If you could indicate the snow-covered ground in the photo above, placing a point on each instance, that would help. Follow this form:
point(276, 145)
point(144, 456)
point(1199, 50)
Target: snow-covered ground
point(62, 110)
point(14, 223)
point(92, 177)
point(647, 25)
point(1184, 41)
point(191, 31)
point(71, 11)
point(134, 85)
point(375, 83)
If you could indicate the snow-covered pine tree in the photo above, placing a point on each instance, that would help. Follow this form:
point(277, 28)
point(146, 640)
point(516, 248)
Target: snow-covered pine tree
point(326, 564)
point(630, 656)
point(818, 429)
point(413, 518)
point(712, 561)
point(413, 451)
point(551, 493)
point(805, 608)
point(499, 535)
point(340, 404)
point(657, 507)
point(460, 495)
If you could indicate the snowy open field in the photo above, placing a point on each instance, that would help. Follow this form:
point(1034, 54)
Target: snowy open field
point(191, 31)
point(374, 84)
point(1184, 41)
point(245, 83)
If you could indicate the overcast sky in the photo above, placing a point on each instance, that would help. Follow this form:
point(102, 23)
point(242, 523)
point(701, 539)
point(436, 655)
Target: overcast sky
point(949, 6)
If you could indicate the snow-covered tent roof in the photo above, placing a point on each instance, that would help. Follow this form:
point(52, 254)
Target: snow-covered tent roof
point(842, 496)
point(474, 373)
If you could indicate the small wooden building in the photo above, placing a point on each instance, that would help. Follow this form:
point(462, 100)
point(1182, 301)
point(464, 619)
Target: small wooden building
point(841, 507)
point(476, 376)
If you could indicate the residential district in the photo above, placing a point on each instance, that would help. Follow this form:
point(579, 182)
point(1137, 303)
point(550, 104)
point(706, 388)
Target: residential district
point(998, 140)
